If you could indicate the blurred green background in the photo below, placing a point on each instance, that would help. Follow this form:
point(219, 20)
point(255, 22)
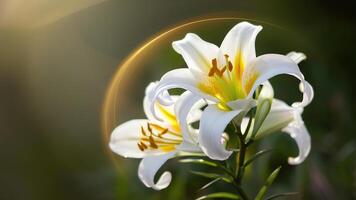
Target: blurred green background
point(57, 59)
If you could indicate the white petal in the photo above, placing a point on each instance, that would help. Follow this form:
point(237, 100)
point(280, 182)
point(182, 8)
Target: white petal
point(269, 65)
point(196, 111)
point(164, 98)
point(177, 78)
point(149, 167)
point(278, 118)
point(300, 134)
point(240, 40)
point(146, 101)
point(187, 146)
point(125, 137)
point(242, 104)
point(212, 126)
point(182, 108)
point(297, 57)
point(149, 103)
point(266, 91)
point(197, 53)
point(308, 94)
point(288, 119)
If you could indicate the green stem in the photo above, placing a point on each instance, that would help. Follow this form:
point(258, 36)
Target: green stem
point(240, 160)
point(240, 163)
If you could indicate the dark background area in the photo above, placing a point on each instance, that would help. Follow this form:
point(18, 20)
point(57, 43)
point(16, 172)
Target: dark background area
point(54, 77)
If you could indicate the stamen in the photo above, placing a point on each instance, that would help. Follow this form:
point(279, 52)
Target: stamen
point(222, 71)
point(149, 127)
point(140, 147)
point(214, 69)
point(163, 132)
point(153, 138)
point(143, 131)
point(144, 145)
point(152, 142)
point(228, 62)
point(230, 67)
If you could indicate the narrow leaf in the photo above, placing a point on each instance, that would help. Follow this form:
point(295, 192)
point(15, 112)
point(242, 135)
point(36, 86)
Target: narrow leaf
point(199, 161)
point(211, 176)
point(210, 183)
point(267, 184)
point(282, 195)
point(206, 175)
point(257, 155)
point(224, 195)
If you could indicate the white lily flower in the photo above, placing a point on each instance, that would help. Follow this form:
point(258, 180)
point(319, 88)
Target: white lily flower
point(157, 140)
point(228, 76)
point(285, 118)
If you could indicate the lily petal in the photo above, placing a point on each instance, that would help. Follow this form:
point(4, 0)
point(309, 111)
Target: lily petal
point(182, 109)
point(196, 52)
point(164, 98)
point(269, 65)
point(177, 78)
point(300, 134)
point(278, 118)
point(297, 57)
point(267, 91)
point(239, 43)
point(289, 120)
point(125, 137)
point(148, 168)
point(146, 101)
point(188, 146)
point(212, 125)
point(308, 94)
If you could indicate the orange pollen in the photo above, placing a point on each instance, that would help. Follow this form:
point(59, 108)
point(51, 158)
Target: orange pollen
point(153, 137)
point(143, 131)
point(215, 70)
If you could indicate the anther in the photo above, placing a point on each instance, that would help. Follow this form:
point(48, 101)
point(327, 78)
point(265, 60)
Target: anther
point(152, 142)
point(214, 69)
point(228, 63)
point(149, 127)
point(140, 146)
point(230, 66)
point(163, 132)
point(143, 131)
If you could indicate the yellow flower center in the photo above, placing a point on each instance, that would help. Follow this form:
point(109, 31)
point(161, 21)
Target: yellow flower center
point(154, 136)
point(225, 83)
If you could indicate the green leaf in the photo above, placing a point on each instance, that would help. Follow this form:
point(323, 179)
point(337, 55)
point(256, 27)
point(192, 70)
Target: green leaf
point(210, 183)
point(257, 155)
point(263, 108)
point(224, 195)
point(208, 163)
point(232, 143)
point(206, 175)
point(268, 183)
point(282, 195)
point(211, 176)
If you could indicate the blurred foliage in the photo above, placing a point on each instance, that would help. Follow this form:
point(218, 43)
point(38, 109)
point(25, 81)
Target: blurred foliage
point(53, 81)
